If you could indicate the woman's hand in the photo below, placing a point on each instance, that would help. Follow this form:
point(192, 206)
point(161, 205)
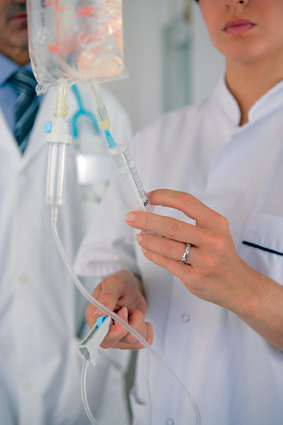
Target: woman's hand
point(122, 292)
point(213, 270)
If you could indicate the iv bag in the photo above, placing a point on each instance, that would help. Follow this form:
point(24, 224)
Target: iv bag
point(75, 40)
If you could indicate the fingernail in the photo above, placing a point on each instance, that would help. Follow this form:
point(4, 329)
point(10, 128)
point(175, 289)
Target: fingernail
point(148, 194)
point(125, 313)
point(139, 238)
point(130, 217)
point(144, 250)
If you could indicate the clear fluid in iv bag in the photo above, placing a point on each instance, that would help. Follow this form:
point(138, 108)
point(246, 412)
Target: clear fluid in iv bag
point(75, 40)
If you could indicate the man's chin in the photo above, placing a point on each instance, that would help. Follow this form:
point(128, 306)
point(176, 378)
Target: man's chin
point(18, 35)
point(17, 27)
point(16, 46)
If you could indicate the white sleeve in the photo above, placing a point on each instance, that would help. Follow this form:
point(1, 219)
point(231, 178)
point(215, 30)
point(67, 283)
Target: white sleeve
point(109, 244)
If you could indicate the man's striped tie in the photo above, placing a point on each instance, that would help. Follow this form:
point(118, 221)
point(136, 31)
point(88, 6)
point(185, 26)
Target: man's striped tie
point(26, 106)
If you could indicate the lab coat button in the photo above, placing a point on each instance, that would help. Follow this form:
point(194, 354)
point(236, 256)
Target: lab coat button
point(169, 422)
point(22, 279)
point(27, 385)
point(185, 318)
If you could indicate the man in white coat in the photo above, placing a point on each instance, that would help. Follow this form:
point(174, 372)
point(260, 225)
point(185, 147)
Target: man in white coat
point(41, 312)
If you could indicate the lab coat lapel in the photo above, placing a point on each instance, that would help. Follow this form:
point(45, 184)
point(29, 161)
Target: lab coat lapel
point(37, 140)
point(8, 144)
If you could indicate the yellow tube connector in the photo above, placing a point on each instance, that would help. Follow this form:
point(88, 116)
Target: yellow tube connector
point(62, 108)
point(101, 111)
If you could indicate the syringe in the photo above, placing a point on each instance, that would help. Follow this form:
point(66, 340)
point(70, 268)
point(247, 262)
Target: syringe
point(121, 157)
point(126, 168)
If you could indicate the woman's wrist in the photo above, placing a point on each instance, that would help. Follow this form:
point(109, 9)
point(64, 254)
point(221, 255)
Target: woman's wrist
point(261, 306)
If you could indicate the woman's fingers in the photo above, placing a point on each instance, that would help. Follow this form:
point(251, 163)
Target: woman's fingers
point(119, 337)
point(117, 290)
point(120, 292)
point(188, 204)
point(168, 227)
point(185, 272)
point(116, 331)
point(167, 247)
point(171, 228)
point(148, 336)
point(108, 296)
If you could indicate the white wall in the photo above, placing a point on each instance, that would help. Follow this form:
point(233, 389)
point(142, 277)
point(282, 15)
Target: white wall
point(208, 63)
point(141, 93)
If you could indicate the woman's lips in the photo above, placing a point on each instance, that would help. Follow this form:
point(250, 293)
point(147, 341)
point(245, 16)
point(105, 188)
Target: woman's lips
point(238, 27)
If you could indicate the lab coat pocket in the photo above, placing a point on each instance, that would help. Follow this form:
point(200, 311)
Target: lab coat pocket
point(140, 410)
point(262, 246)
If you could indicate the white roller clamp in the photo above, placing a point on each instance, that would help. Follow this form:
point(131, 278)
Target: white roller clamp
point(88, 348)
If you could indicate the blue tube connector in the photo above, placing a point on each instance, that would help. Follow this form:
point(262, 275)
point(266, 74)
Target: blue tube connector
point(47, 127)
point(110, 141)
point(99, 321)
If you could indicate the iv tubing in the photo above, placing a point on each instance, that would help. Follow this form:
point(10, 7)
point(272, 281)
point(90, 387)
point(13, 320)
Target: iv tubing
point(84, 394)
point(105, 310)
point(62, 109)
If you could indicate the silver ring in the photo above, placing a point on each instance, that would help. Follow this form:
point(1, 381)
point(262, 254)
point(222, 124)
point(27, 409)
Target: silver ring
point(186, 253)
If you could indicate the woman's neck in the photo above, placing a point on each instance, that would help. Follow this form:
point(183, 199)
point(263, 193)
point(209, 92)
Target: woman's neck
point(249, 81)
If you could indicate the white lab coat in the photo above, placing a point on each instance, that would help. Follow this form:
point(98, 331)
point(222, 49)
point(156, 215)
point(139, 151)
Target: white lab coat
point(234, 375)
point(41, 311)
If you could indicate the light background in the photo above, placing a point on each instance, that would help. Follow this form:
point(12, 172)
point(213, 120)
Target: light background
point(141, 93)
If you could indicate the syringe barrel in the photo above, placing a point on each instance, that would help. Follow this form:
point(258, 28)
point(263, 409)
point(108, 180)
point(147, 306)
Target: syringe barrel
point(126, 168)
point(56, 174)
